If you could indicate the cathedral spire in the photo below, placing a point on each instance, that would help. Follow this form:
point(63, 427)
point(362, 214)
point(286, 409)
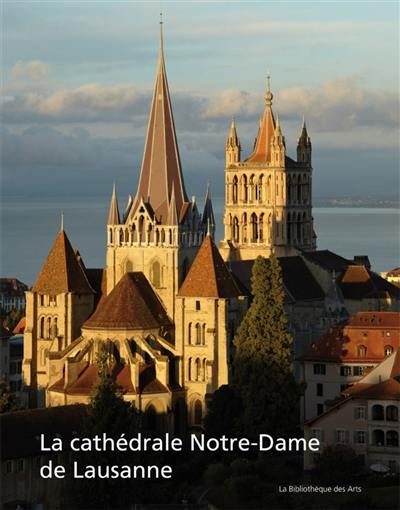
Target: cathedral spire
point(113, 213)
point(172, 212)
point(161, 166)
point(262, 146)
point(304, 145)
point(208, 218)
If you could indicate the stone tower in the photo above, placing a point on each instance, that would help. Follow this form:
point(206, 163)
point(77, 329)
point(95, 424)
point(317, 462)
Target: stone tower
point(58, 304)
point(161, 229)
point(268, 203)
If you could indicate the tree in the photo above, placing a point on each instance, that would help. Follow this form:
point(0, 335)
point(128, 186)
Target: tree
point(223, 411)
point(263, 373)
point(7, 399)
point(338, 463)
point(12, 318)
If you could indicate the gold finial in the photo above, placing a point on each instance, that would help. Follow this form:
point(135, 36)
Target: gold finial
point(268, 94)
point(62, 222)
point(161, 33)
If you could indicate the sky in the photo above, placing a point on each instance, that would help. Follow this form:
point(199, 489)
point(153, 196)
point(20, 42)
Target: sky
point(78, 78)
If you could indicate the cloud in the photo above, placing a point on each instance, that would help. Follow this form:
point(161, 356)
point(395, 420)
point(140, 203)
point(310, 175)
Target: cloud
point(34, 70)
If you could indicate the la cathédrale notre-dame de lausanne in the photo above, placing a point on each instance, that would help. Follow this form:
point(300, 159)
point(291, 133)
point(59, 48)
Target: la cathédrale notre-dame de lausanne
point(169, 301)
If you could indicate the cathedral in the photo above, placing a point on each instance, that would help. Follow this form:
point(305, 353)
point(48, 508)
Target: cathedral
point(168, 303)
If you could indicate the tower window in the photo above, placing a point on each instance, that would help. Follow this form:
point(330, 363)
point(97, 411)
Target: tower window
point(197, 305)
point(156, 274)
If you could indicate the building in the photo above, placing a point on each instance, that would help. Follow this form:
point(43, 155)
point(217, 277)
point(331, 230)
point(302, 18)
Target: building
point(393, 276)
point(344, 354)
point(365, 417)
point(166, 304)
point(12, 294)
point(21, 455)
point(268, 195)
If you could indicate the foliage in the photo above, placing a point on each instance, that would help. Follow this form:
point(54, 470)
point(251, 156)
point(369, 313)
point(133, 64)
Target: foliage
point(338, 463)
point(223, 410)
point(263, 373)
point(7, 399)
point(12, 318)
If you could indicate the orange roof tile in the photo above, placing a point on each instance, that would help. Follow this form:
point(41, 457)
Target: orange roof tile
point(61, 271)
point(262, 149)
point(209, 275)
point(20, 327)
point(132, 304)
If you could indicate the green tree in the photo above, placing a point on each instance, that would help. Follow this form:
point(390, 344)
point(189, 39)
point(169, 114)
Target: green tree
point(7, 399)
point(263, 372)
point(223, 411)
point(338, 463)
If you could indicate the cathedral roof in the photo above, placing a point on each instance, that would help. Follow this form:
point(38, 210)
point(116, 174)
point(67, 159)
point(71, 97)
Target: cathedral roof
point(132, 304)
point(209, 275)
point(359, 282)
point(161, 166)
point(262, 147)
point(61, 271)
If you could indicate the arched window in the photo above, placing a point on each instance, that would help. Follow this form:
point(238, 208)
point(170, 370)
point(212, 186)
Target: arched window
point(260, 188)
point(198, 334)
point(162, 235)
point(392, 438)
point(289, 228)
point(203, 334)
point(204, 369)
point(121, 236)
point(235, 230)
point(392, 413)
point(261, 227)
point(111, 235)
point(251, 189)
point(235, 190)
point(361, 351)
point(298, 233)
point(48, 325)
point(156, 274)
point(41, 328)
point(299, 189)
point(189, 369)
point(198, 369)
point(388, 350)
point(254, 228)
point(126, 235)
point(378, 438)
point(377, 412)
point(141, 227)
point(244, 188)
point(54, 328)
point(189, 333)
point(198, 413)
point(244, 228)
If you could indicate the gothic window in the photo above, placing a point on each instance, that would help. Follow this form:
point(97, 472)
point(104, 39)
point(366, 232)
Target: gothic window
point(121, 236)
point(41, 328)
point(162, 235)
point(189, 333)
point(235, 190)
point(198, 412)
point(203, 334)
point(204, 369)
point(110, 232)
point(299, 239)
point(261, 227)
point(260, 188)
point(126, 235)
point(156, 274)
point(235, 230)
point(251, 189)
point(254, 228)
point(298, 189)
point(198, 369)
point(269, 191)
point(189, 369)
point(198, 334)
point(48, 324)
point(54, 328)
point(244, 228)
point(244, 188)
point(289, 229)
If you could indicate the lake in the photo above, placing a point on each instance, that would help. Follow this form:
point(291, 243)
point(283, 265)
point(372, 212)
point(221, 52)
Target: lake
point(29, 227)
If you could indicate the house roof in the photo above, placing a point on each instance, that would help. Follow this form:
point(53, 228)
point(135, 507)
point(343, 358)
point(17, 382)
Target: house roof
point(61, 271)
point(209, 276)
point(132, 304)
point(340, 343)
point(327, 259)
point(20, 327)
point(386, 390)
point(20, 430)
point(359, 282)
point(298, 280)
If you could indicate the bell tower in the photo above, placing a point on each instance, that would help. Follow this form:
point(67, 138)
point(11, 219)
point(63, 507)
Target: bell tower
point(161, 230)
point(268, 194)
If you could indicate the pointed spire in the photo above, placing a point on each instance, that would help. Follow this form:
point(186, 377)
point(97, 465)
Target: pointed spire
point(262, 146)
point(62, 222)
point(304, 148)
point(233, 139)
point(172, 213)
point(161, 166)
point(113, 213)
point(208, 218)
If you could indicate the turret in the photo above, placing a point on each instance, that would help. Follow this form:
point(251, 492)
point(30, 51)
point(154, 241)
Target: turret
point(278, 147)
point(304, 146)
point(113, 213)
point(232, 146)
point(208, 218)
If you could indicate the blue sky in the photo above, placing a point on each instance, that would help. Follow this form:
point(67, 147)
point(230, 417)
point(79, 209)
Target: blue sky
point(78, 78)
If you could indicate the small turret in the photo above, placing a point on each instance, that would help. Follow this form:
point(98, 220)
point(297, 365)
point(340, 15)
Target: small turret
point(172, 218)
point(232, 146)
point(304, 146)
point(278, 146)
point(113, 213)
point(208, 218)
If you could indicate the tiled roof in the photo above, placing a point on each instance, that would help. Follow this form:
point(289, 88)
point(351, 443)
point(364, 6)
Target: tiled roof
point(297, 278)
point(209, 276)
point(61, 271)
point(20, 430)
point(132, 304)
point(20, 327)
point(148, 382)
point(340, 343)
point(327, 259)
point(394, 272)
point(358, 282)
point(386, 390)
point(262, 148)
